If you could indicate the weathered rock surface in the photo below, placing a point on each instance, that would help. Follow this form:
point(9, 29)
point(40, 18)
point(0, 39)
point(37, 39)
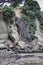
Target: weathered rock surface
point(21, 44)
point(35, 44)
point(23, 29)
point(3, 31)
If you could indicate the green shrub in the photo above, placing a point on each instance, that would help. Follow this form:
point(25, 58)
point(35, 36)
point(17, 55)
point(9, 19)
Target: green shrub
point(31, 7)
point(31, 23)
point(8, 14)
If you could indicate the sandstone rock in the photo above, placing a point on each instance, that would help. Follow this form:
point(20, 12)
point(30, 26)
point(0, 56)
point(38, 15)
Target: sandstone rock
point(14, 35)
point(40, 42)
point(35, 44)
point(21, 44)
point(3, 31)
point(2, 46)
point(9, 43)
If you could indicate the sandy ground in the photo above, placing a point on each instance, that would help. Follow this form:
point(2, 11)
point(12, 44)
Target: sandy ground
point(9, 58)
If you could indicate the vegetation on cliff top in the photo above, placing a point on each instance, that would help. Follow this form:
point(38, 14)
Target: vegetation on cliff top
point(31, 10)
point(8, 14)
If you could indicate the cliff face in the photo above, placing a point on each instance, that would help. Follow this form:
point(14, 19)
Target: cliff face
point(3, 32)
point(19, 35)
point(18, 41)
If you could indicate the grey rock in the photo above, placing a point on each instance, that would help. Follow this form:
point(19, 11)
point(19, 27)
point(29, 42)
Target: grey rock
point(23, 29)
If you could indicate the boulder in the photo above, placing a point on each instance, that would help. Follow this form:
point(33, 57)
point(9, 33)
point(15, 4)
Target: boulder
point(13, 35)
